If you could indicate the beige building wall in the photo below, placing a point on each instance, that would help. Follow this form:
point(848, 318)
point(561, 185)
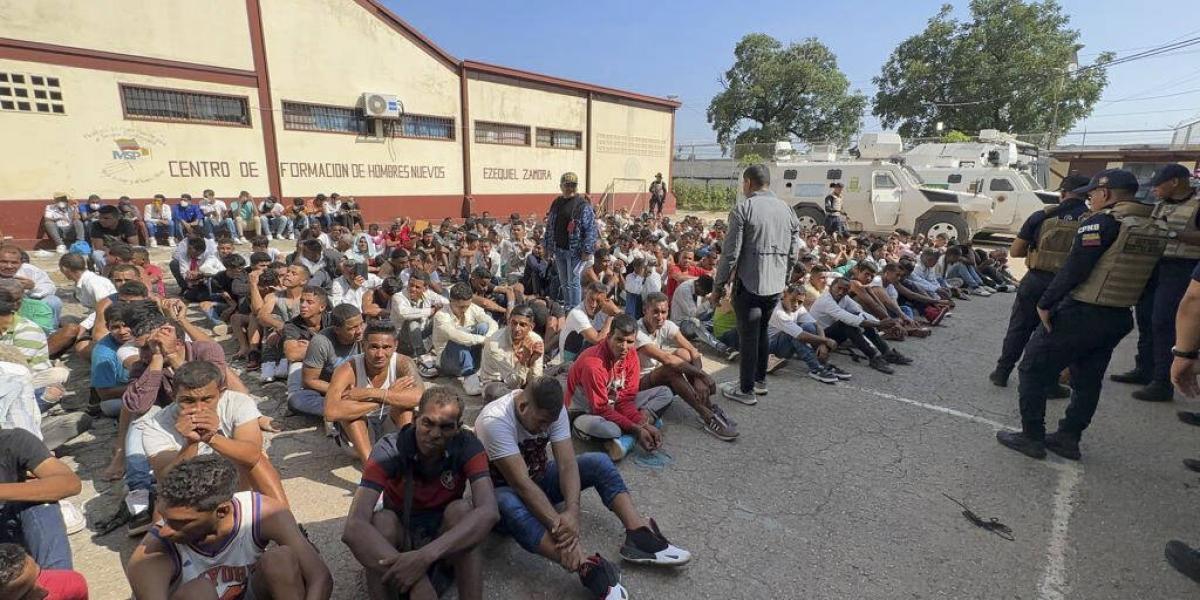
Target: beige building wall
point(330, 52)
point(630, 143)
point(94, 149)
point(208, 32)
point(505, 169)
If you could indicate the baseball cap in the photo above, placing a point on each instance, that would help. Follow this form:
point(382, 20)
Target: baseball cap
point(1114, 179)
point(1072, 182)
point(569, 178)
point(1169, 172)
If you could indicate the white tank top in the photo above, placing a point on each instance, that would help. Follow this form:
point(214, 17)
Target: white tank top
point(363, 381)
point(228, 566)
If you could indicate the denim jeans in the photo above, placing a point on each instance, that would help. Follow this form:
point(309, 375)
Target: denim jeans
point(569, 269)
point(210, 228)
point(786, 346)
point(300, 398)
point(596, 470)
point(971, 279)
point(153, 231)
point(458, 360)
point(138, 475)
point(696, 329)
point(39, 528)
point(299, 223)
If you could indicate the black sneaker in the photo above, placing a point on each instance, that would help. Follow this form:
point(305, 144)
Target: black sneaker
point(823, 375)
point(1185, 559)
point(896, 358)
point(602, 579)
point(1058, 391)
point(879, 364)
point(1157, 391)
point(647, 545)
point(1134, 376)
point(1191, 418)
point(1063, 444)
point(720, 426)
point(140, 523)
point(1192, 464)
point(1017, 440)
point(838, 372)
point(999, 377)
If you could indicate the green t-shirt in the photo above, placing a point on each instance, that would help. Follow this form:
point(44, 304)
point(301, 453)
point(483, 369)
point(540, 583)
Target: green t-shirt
point(39, 312)
point(723, 321)
point(842, 270)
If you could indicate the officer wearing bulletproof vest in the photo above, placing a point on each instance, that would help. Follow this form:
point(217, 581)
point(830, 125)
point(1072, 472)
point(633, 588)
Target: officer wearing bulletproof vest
point(1178, 210)
point(1043, 241)
point(1085, 313)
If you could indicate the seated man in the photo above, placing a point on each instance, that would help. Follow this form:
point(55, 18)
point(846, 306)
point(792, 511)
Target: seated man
point(515, 431)
point(107, 231)
point(35, 282)
point(206, 418)
point(110, 373)
point(587, 323)
point(512, 357)
point(604, 398)
point(29, 507)
point(422, 472)
point(326, 351)
point(187, 218)
point(458, 336)
point(374, 392)
point(311, 318)
point(23, 579)
point(354, 283)
point(322, 264)
point(791, 331)
point(693, 319)
point(61, 222)
point(842, 318)
point(667, 358)
point(495, 299)
point(201, 509)
point(412, 314)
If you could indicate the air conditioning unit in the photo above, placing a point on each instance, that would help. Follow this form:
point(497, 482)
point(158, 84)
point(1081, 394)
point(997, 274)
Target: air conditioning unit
point(382, 106)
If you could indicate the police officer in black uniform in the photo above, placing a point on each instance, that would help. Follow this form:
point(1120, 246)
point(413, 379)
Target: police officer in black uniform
point(1085, 313)
point(1043, 263)
point(1178, 210)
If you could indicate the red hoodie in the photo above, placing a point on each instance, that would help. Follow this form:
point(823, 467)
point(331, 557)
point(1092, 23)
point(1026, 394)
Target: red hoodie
point(609, 386)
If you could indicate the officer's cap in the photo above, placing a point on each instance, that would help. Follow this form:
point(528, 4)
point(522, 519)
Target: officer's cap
point(1169, 172)
point(1071, 182)
point(1113, 179)
point(569, 178)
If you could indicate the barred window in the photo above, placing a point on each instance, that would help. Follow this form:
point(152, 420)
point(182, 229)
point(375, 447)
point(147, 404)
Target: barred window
point(158, 104)
point(425, 127)
point(559, 138)
point(318, 117)
point(500, 133)
point(21, 92)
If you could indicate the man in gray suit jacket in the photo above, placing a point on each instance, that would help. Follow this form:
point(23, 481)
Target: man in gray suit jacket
point(762, 244)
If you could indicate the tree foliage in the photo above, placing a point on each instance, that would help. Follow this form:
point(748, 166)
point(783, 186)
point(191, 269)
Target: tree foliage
point(1006, 68)
point(773, 93)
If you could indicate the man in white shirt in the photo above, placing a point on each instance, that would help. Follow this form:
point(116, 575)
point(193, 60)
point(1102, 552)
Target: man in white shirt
point(587, 323)
point(412, 314)
point(89, 287)
point(513, 252)
point(216, 218)
point(842, 318)
point(158, 217)
point(458, 337)
point(61, 222)
point(34, 281)
point(794, 332)
point(354, 283)
point(488, 258)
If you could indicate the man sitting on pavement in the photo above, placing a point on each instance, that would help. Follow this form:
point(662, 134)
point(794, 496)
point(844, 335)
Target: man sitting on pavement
point(201, 509)
point(29, 506)
point(794, 332)
point(412, 313)
point(62, 224)
point(604, 398)
point(513, 356)
point(34, 282)
point(516, 431)
point(842, 318)
point(426, 523)
point(693, 319)
point(668, 358)
point(374, 392)
point(458, 336)
point(326, 351)
point(587, 323)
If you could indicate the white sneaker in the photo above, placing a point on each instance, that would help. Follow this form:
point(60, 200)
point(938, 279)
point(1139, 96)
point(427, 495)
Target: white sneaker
point(72, 518)
point(153, 243)
point(471, 385)
point(61, 249)
point(268, 372)
point(172, 241)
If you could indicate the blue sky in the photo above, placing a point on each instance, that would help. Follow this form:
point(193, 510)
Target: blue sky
point(681, 48)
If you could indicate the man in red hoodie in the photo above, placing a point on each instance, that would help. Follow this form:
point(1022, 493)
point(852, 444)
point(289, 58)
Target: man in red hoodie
point(603, 396)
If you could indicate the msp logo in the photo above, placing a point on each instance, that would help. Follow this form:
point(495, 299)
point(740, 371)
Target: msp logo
point(128, 148)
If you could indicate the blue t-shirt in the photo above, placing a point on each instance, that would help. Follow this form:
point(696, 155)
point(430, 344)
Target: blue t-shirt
point(107, 370)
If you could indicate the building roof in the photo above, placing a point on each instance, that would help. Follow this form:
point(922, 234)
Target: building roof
point(401, 26)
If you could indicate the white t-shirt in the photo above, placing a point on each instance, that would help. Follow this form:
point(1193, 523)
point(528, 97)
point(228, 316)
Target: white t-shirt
point(233, 410)
point(60, 216)
point(577, 320)
point(91, 288)
point(684, 303)
point(503, 436)
point(215, 211)
point(663, 338)
point(788, 322)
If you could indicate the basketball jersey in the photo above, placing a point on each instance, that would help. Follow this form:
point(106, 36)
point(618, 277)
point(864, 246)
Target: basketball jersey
point(229, 565)
point(364, 381)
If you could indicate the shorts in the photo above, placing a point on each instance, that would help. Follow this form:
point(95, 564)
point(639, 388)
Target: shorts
point(424, 527)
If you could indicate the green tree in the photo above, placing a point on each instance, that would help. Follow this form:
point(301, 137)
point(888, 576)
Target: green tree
point(954, 136)
point(774, 92)
point(1006, 68)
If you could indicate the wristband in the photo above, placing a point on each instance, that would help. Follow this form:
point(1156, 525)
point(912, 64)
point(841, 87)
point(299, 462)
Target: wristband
point(1188, 354)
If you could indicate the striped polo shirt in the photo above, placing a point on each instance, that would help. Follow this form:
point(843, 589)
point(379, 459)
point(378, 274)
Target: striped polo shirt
point(30, 340)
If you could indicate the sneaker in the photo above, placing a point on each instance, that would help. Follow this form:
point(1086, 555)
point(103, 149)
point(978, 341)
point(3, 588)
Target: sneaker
point(881, 365)
point(999, 377)
point(732, 391)
point(822, 375)
point(472, 385)
point(648, 546)
point(602, 579)
point(731, 354)
point(1134, 376)
point(1184, 558)
point(60, 249)
point(760, 388)
point(1192, 464)
point(172, 241)
point(140, 523)
point(153, 243)
point(774, 362)
point(1063, 444)
point(72, 518)
point(427, 366)
point(896, 358)
point(838, 372)
point(1157, 391)
point(1191, 418)
point(719, 427)
point(1017, 440)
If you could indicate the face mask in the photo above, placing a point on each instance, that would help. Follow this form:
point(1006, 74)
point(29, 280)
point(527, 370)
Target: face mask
point(62, 204)
point(184, 203)
point(95, 205)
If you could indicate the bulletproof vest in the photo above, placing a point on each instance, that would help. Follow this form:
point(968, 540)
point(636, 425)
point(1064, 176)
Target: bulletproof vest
point(1122, 272)
point(1054, 240)
point(1179, 217)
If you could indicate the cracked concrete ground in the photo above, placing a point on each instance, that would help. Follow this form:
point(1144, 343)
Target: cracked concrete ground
point(831, 492)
